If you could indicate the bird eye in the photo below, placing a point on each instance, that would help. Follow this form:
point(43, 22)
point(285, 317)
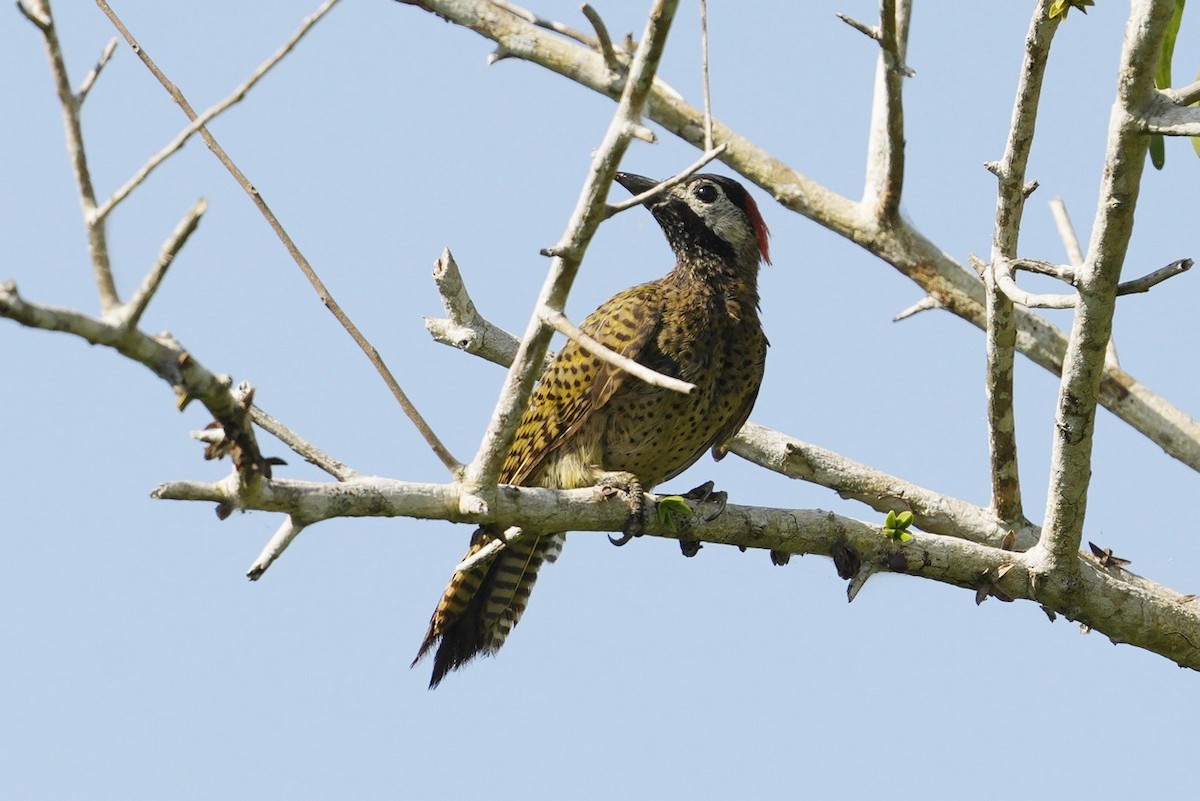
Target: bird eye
point(705, 192)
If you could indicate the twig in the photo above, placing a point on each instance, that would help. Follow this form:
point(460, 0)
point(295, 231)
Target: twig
point(1000, 287)
point(548, 24)
point(924, 304)
point(1084, 362)
point(198, 122)
point(464, 327)
point(484, 469)
point(311, 453)
point(452, 464)
point(885, 147)
point(1162, 114)
point(708, 125)
point(1066, 231)
point(559, 322)
point(165, 357)
point(1184, 95)
point(602, 37)
point(510, 535)
point(279, 542)
point(39, 14)
point(90, 79)
point(130, 314)
point(1002, 273)
point(869, 31)
point(1144, 283)
point(662, 186)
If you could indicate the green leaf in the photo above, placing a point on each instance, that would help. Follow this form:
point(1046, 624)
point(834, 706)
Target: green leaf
point(1064, 6)
point(1158, 151)
point(1162, 79)
point(1162, 76)
point(671, 507)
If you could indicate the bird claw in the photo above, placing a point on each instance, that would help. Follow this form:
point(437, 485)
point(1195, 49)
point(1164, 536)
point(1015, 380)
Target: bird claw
point(705, 493)
point(635, 499)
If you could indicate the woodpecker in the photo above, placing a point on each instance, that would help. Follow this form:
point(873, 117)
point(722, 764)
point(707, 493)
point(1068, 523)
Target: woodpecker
point(587, 420)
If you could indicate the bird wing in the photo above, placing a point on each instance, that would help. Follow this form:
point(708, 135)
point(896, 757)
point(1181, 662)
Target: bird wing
point(576, 384)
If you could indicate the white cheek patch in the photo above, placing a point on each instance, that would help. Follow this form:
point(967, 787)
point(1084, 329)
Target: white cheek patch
point(728, 222)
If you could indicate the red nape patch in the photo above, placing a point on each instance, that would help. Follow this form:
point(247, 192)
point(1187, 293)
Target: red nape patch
point(760, 228)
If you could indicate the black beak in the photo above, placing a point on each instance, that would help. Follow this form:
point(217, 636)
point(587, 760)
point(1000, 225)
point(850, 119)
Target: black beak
point(636, 184)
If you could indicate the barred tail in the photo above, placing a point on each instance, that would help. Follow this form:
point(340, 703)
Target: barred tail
point(480, 606)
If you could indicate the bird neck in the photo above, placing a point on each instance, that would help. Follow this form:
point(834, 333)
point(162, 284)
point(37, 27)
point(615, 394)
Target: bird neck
point(718, 276)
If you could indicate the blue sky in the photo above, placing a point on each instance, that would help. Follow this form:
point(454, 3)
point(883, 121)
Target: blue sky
point(140, 663)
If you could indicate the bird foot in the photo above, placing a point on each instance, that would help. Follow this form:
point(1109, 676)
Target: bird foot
point(629, 484)
point(704, 494)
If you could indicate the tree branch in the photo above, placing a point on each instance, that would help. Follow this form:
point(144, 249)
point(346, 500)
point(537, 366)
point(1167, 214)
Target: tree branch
point(435, 444)
point(39, 13)
point(559, 322)
point(955, 289)
point(1001, 320)
point(167, 359)
point(1160, 620)
point(1083, 367)
point(130, 314)
point(885, 148)
point(484, 469)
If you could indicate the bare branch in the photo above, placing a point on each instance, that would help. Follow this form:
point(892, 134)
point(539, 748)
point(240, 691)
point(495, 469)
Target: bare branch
point(89, 80)
point(559, 322)
point(1184, 95)
point(130, 314)
point(39, 14)
point(311, 453)
point(589, 212)
point(1084, 363)
point(1155, 278)
point(198, 122)
point(606, 45)
point(464, 327)
point(447, 459)
point(904, 247)
point(548, 24)
point(279, 542)
point(662, 186)
point(885, 148)
point(708, 126)
point(1160, 621)
point(1162, 114)
point(1066, 231)
point(1007, 285)
point(924, 304)
point(484, 554)
point(998, 281)
point(869, 31)
point(167, 359)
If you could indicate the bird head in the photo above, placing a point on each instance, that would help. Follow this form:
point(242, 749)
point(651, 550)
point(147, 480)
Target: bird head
point(706, 214)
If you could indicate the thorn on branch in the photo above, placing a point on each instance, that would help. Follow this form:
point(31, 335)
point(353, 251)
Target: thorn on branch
point(924, 304)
